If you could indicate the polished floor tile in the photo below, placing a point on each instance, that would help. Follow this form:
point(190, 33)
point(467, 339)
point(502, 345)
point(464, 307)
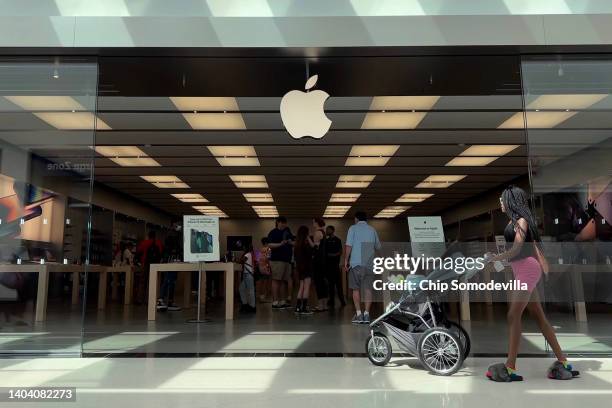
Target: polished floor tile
point(303, 382)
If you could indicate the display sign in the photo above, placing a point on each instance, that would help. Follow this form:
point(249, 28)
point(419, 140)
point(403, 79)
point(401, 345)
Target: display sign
point(426, 236)
point(200, 238)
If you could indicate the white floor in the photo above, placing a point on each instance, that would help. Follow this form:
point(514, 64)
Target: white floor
point(302, 382)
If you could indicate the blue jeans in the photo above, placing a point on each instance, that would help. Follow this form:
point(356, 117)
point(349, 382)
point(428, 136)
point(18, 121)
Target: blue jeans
point(168, 285)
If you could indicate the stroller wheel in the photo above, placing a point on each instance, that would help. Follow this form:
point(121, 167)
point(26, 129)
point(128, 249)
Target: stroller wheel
point(379, 349)
point(463, 336)
point(440, 351)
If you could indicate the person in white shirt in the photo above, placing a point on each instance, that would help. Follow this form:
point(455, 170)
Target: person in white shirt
point(247, 284)
point(361, 243)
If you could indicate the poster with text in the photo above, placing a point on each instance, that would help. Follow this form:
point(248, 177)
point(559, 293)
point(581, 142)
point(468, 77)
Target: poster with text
point(200, 238)
point(426, 236)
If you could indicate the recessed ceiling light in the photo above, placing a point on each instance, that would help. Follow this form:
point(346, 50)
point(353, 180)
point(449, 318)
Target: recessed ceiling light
point(392, 120)
point(232, 151)
point(135, 161)
point(344, 197)
point(235, 155)
point(46, 103)
point(210, 210)
point(413, 198)
point(165, 181)
point(370, 155)
point(127, 156)
point(215, 121)
point(565, 101)
point(488, 150)
point(536, 120)
point(336, 211)
point(392, 211)
point(471, 161)
point(258, 197)
point(190, 198)
point(249, 181)
point(440, 181)
point(266, 211)
point(199, 103)
point(408, 102)
point(72, 120)
point(354, 181)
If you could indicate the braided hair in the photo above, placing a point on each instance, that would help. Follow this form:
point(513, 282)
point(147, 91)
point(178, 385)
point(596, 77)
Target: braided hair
point(516, 203)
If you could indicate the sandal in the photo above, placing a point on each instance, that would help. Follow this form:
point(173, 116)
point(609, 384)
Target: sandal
point(561, 370)
point(500, 373)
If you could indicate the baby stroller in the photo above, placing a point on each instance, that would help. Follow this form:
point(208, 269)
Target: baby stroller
point(418, 325)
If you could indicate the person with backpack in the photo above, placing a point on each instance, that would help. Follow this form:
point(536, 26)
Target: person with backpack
point(247, 283)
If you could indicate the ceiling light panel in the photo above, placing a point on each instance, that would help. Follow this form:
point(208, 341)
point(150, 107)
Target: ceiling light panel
point(210, 210)
point(536, 120)
point(566, 101)
point(413, 198)
point(336, 211)
point(370, 155)
point(190, 198)
point(127, 156)
point(46, 103)
point(471, 161)
point(344, 197)
point(354, 181)
point(392, 120)
point(215, 121)
point(422, 102)
point(249, 181)
point(72, 120)
point(266, 211)
point(440, 181)
point(165, 181)
point(210, 104)
point(258, 197)
point(392, 211)
point(488, 150)
point(235, 155)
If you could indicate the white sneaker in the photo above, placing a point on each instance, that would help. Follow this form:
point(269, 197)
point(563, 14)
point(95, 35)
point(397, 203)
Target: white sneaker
point(365, 318)
point(161, 306)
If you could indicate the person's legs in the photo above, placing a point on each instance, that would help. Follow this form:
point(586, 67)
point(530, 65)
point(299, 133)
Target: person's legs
point(163, 291)
point(289, 281)
point(535, 309)
point(250, 289)
point(368, 299)
point(515, 327)
point(171, 284)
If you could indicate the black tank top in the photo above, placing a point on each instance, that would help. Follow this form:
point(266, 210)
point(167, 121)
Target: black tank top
point(528, 248)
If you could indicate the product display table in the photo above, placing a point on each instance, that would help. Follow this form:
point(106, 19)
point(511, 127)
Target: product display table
point(43, 271)
point(226, 267)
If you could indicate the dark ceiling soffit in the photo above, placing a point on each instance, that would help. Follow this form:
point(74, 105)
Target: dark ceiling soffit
point(297, 52)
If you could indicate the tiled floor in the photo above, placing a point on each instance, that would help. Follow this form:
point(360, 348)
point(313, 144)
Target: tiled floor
point(303, 382)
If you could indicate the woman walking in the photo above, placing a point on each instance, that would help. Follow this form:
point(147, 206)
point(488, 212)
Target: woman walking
point(528, 262)
point(303, 251)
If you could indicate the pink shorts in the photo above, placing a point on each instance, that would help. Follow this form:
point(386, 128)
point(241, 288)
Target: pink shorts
point(527, 270)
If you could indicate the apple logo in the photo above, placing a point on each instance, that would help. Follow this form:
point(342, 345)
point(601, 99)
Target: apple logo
point(302, 112)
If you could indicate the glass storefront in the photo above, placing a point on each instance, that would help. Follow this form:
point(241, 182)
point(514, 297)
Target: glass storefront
point(100, 155)
point(47, 122)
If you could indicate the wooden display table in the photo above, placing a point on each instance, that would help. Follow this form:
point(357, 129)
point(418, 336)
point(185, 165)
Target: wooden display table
point(227, 267)
point(43, 271)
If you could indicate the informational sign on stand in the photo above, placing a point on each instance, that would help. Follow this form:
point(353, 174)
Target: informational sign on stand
point(200, 238)
point(426, 236)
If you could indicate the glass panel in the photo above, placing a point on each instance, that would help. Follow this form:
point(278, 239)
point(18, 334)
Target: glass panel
point(568, 118)
point(47, 127)
point(192, 136)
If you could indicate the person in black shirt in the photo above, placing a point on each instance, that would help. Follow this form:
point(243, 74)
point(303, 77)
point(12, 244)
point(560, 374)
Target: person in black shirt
point(333, 252)
point(280, 241)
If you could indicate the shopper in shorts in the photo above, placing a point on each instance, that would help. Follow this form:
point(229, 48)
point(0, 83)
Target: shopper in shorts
point(361, 242)
point(280, 242)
